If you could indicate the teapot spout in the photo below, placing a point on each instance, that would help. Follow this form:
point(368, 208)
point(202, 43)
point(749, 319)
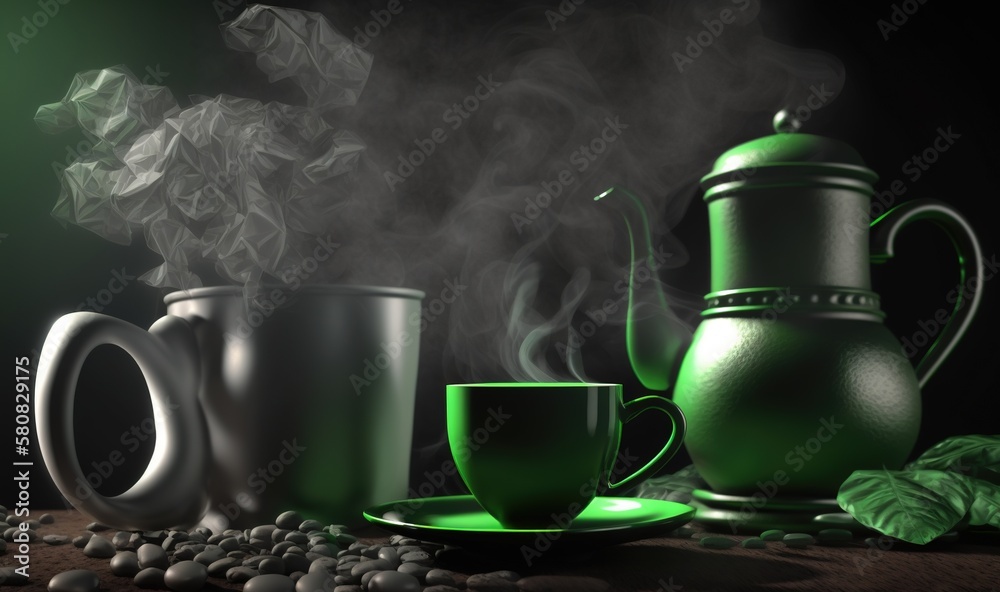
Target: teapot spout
point(655, 338)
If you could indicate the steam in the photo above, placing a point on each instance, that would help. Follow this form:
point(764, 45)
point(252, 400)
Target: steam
point(480, 143)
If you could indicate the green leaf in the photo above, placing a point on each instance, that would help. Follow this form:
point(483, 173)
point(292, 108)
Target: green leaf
point(986, 506)
point(914, 506)
point(970, 455)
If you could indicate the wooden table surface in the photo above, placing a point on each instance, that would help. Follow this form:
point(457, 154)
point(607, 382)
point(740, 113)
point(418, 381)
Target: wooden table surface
point(662, 564)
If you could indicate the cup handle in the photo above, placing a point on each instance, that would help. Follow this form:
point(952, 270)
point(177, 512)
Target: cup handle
point(170, 491)
point(639, 406)
point(970, 260)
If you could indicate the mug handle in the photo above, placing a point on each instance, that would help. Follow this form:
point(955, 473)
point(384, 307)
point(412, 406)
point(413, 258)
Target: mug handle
point(970, 260)
point(633, 409)
point(170, 491)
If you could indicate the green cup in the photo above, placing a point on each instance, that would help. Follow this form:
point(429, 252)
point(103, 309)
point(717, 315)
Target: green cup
point(534, 455)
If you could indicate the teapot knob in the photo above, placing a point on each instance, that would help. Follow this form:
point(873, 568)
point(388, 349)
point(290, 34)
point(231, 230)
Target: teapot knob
point(785, 122)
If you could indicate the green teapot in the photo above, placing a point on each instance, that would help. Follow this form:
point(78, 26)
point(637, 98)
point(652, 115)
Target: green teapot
point(791, 378)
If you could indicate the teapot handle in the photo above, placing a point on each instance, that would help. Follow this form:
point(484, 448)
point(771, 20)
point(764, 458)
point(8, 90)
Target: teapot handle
point(970, 259)
point(169, 493)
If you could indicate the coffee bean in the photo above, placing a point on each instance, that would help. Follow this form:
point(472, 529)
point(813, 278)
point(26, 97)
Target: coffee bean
point(269, 583)
point(327, 565)
point(498, 581)
point(314, 582)
point(417, 570)
point(94, 527)
point(272, 566)
point(295, 562)
point(278, 535)
point(833, 536)
point(348, 588)
point(9, 577)
point(718, 542)
point(393, 581)
point(753, 543)
point(366, 566)
point(125, 563)
point(798, 540)
point(310, 525)
point(152, 555)
point(186, 576)
point(289, 520)
point(99, 547)
point(209, 555)
point(280, 548)
point(772, 535)
point(416, 557)
point(75, 580)
point(46, 518)
point(321, 550)
point(55, 539)
point(263, 531)
point(343, 539)
point(34, 524)
point(441, 588)
point(185, 554)
point(81, 541)
point(440, 576)
point(228, 544)
point(218, 568)
point(554, 583)
point(151, 577)
point(239, 575)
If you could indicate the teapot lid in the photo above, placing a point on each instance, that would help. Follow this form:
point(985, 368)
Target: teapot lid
point(788, 159)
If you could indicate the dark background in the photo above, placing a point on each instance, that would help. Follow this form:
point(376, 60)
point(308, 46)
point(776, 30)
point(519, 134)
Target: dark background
point(937, 70)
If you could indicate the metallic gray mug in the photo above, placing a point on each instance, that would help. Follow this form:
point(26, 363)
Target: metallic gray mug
point(305, 402)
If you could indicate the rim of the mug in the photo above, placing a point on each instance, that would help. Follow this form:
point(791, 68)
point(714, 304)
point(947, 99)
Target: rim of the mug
point(533, 384)
point(213, 291)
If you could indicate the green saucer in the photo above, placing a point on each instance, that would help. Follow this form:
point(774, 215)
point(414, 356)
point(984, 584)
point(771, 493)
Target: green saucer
point(459, 520)
point(749, 515)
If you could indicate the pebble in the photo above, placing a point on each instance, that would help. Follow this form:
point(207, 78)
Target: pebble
point(269, 583)
point(348, 588)
point(718, 542)
point(314, 582)
point(278, 534)
point(441, 588)
point(10, 577)
point(366, 566)
point(96, 527)
point(772, 535)
point(239, 575)
point(125, 563)
point(81, 541)
point(299, 538)
point(798, 540)
point(46, 518)
point(556, 583)
point(754, 543)
point(834, 536)
point(136, 540)
point(99, 548)
point(152, 555)
point(185, 576)
point(75, 580)
point(415, 557)
point(416, 570)
point(393, 581)
point(151, 577)
point(262, 532)
point(389, 555)
point(55, 539)
point(290, 520)
point(229, 544)
point(328, 565)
